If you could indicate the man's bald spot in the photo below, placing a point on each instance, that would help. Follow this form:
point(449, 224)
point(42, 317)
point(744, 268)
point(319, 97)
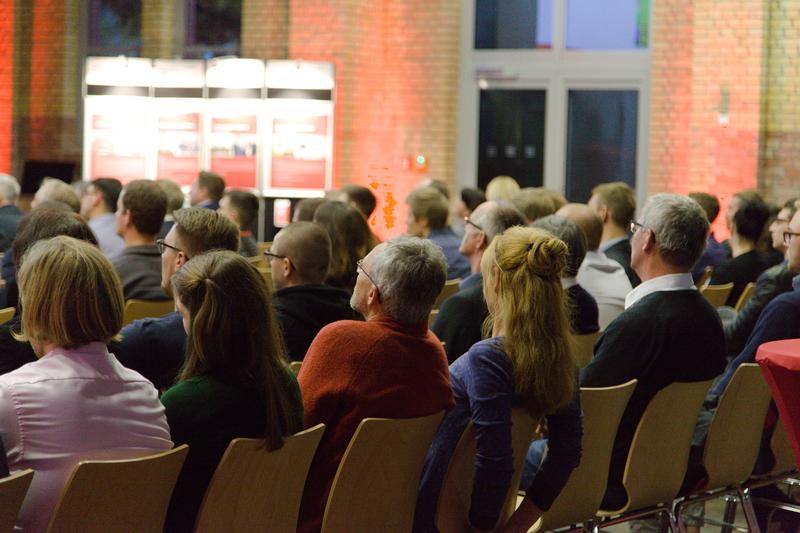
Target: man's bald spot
point(588, 220)
point(308, 247)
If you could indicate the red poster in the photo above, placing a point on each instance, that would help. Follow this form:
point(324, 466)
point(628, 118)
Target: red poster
point(178, 147)
point(118, 146)
point(233, 150)
point(299, 152)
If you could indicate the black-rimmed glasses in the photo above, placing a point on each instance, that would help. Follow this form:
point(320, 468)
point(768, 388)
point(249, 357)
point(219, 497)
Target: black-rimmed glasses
point(471, 223)
point(269, 254)
point(788, 236)
point(163, 245)
point(635, 225)
point(360, 266)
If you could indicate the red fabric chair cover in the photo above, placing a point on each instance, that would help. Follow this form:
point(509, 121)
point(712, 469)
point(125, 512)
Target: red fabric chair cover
point(780, 364)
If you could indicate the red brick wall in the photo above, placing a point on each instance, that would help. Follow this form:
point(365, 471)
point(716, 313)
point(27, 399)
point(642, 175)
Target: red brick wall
point(6, 83)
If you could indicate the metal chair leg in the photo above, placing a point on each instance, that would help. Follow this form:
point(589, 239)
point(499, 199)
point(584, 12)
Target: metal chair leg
point(730, 513)
point(749, 511)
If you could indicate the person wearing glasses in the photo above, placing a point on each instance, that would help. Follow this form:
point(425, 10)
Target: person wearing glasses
point(154, 347)
point(299, 260)
point(389, 366)
point(668, 331)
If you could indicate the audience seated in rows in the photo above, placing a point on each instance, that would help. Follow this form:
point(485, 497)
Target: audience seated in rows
point(175, 201)
point(461, 317)
point(772, 282)
point(242, 208)
point(299, 260)
point(55, 190)
point(140, 212)
point(155, 346)
point(77, 401)
point(715, 253)
point(583, 316)
point(428, 211)
point(304, 209)
point(9, 212)
point(207, 190)
point(526, 362)
point(534, 203)
point(615, 203)
point(99, 207)
point(603, 278)
point(746, 218)
point(668, 332)
point(359, 197)
point(389, 366)
point(351, 241)
point(234, 381)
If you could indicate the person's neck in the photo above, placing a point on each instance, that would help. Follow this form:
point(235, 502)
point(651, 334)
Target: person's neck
point(475, 262)
point(97, 212)
point(134, 238)
point(655, 267)
point(611, 231)
point(740, 245)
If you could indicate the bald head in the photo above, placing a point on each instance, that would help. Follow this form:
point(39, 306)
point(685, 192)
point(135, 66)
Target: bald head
point(308, 247)
point(588, 220)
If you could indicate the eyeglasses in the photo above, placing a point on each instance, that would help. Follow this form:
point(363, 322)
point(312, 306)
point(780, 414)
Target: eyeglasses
point(635, 225)
point(162, 245)
point(271, 255)
point(471, 223)
point(787, 237)
point(360, 266)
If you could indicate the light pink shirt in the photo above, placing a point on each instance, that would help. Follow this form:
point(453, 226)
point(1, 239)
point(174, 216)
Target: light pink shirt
point(69, 406)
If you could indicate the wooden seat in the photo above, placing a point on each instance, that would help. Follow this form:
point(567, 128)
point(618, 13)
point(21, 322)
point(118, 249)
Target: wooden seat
point(580, 499)
point(747, 293)
point(703, 280)
point(136, 309)
point(452, 510)
point(7, 314)
point(717, 295)
point(375, 488)
point(254, 489)
point(665, 434)
point(584, 347)
point(451, 287)
point(124, 496)
point(294, 366)
point(13, 489)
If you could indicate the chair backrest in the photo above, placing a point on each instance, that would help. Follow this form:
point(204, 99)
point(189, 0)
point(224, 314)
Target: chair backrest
point(782, 450)
point(257, 261)
point(136, 309)
point(704, 277)
point(263, 247)
point(13, 489)
point(581, 496)
point(6, 314)
point(375, 488)
point(432, 317)
point(584, 347)
point(734, 436)
point(125, 496)
point(717, 295)
point(450, 288)
point(664, 432)
point(254, 489)
point(747, 293)
point(295, 366)
point(452, 509)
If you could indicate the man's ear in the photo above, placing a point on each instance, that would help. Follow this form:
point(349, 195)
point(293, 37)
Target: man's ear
point(127, 217)
point(649, 244)
point(482, 243)
point(288, 267)
point(372, 295)
point(180, 260)
point(604, 213)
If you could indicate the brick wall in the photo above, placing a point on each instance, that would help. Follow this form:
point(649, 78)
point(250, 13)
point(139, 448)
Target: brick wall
point(6, 83)
point(265, 28)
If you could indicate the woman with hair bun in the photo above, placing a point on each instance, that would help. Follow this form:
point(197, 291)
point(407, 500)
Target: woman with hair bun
point(234, 381)
point(527, 362)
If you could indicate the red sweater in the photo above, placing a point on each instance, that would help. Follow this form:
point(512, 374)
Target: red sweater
point(356, 370)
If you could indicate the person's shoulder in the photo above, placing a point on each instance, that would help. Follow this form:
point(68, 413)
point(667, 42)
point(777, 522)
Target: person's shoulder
point(153, 328)
point(344, 329)
point(788, 301)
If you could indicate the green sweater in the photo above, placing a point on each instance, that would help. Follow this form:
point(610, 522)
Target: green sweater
point(207, 413)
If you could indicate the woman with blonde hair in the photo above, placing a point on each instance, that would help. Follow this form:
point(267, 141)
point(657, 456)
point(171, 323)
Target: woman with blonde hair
point(527, 362)
point(76, 401)
point(502, 188)
point(234, 381)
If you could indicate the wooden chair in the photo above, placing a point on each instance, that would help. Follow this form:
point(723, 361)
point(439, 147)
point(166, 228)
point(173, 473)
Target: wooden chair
point(450, 288)
point(263, 247)
point(659, 454)
point(257, 261)
point(254, 489)
point(452, 510)
point(734, 438)
point(294, 366)
point(747, 293)
point(703, 280)
point(13, 489)
point(124, 496)
point(580, 499)
point(717, 295)
point(7, 314)
point(375, 488)
point(136, 309)
point(782, 450)
point(584, 347)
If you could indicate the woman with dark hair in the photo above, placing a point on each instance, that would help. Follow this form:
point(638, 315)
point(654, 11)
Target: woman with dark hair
point(351, 241)
point(234, 381)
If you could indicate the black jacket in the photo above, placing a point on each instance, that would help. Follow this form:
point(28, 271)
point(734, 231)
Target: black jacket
point(621, 253)
point(305, 309)
point(740, 270)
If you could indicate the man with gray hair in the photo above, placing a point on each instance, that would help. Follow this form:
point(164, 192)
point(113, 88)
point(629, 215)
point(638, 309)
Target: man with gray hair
point(668, 332)
point(9, 212)
point(458, 323)
point(389, 366)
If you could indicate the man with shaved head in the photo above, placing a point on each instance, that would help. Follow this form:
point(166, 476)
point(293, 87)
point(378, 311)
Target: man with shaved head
point(602, 277)
point(299, 257)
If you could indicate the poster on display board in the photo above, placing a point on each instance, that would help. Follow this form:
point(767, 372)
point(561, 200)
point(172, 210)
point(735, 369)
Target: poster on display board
point(299, 137)
point(117, 130)
point(233, 108)
point(178, 91)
